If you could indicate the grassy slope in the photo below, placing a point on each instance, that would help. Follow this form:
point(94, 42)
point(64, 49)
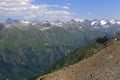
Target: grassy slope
point(74, 57)
point(32, 51)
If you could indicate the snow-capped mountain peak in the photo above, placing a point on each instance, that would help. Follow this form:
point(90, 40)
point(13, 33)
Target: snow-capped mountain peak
point(79, 20)
point(103, 22)
point(25, 22)
point(112, 21)
point(118, 22)
point(93, 23)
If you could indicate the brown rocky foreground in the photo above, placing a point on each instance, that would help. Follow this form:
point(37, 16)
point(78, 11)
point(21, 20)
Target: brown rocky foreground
point(105, 65)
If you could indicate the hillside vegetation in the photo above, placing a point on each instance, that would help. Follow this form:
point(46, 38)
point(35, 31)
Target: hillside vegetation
point(26, 51)
point(102, 66)
point(79, 54)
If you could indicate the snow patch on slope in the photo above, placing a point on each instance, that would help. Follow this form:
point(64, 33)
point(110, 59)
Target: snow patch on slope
point(112, 21)
point(79, 20)
point(103, 22)
point(93, 23)
point(25, 22)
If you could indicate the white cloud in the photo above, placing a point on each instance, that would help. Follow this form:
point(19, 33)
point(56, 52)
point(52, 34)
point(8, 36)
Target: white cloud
point(65, 7)
point(25, 9)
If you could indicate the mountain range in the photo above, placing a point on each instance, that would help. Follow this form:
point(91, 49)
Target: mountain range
point(30, 48)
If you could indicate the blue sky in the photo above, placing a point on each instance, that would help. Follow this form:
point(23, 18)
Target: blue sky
point(108, 9)
point(60, 9)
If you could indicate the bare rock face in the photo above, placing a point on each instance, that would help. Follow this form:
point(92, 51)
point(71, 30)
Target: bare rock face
point(117, 36)
point(105, 65)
